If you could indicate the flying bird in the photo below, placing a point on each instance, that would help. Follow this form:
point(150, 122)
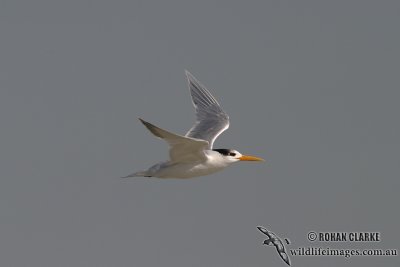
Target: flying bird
point(274, 240)
point(193, 154)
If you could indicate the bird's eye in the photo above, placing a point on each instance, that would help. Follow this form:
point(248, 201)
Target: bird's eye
point(232, 154)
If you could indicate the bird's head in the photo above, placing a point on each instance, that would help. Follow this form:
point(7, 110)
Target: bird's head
point(232, 155)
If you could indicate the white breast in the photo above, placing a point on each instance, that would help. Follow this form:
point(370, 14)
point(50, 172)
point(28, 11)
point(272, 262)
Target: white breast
point(214, 163)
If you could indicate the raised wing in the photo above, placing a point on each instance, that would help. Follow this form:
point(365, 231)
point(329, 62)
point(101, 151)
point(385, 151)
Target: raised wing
point(265, 231)
point(182, 149)
point(211, 120)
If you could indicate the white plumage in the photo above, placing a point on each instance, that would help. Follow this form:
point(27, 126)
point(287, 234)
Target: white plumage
point(192, 155)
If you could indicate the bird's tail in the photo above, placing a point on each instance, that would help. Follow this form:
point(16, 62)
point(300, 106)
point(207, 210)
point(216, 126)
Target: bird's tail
point(138, 174)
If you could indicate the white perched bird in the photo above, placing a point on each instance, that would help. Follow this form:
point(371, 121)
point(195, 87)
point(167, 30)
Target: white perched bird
point(193, 154)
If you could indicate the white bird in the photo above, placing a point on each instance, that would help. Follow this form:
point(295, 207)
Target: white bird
point(193, 154)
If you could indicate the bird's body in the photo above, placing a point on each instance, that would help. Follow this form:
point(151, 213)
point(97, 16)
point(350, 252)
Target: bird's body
point(192, 155)
point(168, 169)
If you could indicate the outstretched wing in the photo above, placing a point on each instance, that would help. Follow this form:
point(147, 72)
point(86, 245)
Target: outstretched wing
point(285, 257)
point(182, 149)
point(211, 119)
point(264, 231)
point(277, 242)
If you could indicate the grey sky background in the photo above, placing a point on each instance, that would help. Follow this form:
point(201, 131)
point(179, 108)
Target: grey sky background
point(311, 86)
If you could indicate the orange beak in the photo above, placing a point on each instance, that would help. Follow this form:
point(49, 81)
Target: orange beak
point(250, 158)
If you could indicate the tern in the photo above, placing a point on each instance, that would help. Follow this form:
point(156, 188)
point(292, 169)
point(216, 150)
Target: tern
point(193, 155)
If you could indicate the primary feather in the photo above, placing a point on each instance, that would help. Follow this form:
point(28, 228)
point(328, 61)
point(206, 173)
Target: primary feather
point(211, 119)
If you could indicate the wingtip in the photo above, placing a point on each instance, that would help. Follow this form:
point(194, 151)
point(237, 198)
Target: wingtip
point(187, 73)
point(190, 76)
point(145, 123)
point(262, 229)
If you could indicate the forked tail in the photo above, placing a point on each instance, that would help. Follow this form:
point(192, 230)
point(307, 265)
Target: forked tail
point(138, 174)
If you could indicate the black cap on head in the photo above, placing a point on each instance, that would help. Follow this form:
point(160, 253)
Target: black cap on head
point(225, 152)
